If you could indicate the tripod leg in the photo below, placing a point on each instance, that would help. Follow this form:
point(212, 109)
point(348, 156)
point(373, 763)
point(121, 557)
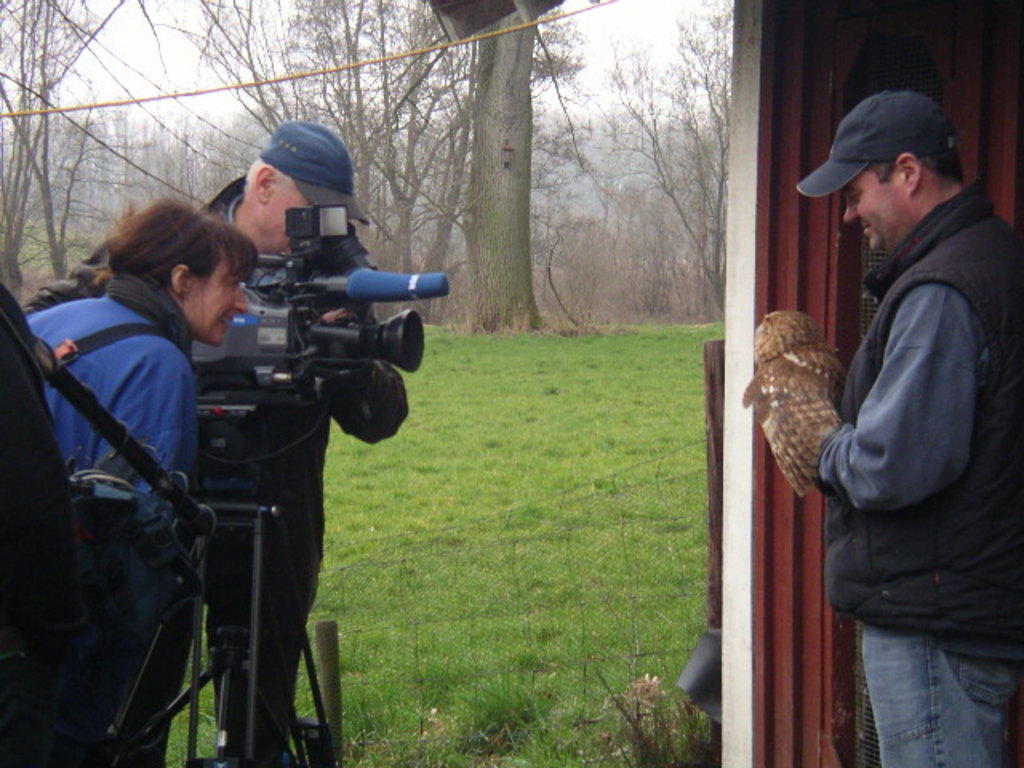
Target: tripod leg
point(237, 599)
point(156, 697)
point(197, 644)
point(318, 737)
point(255, 627)
point(156, 728)
point(223, 707)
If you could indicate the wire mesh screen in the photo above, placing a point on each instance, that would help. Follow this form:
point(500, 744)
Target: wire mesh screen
point(466, 639)
point(886, 61)
point(892, 62)
point(868, 754)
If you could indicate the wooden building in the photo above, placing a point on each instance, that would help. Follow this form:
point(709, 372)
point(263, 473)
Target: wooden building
point(791, 694)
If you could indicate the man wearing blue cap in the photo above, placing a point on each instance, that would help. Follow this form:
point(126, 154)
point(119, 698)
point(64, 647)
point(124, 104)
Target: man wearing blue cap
point(925, 477)
point(302, 164)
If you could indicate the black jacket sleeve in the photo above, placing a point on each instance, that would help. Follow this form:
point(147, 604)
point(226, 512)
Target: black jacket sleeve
point(370, 408)
point(39, 590)
point(86, 281)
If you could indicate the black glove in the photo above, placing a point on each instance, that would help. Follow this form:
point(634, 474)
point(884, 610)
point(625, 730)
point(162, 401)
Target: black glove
point(372, 409)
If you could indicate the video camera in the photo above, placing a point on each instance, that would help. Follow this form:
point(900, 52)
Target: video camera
point(309, 317)
point(308, 328)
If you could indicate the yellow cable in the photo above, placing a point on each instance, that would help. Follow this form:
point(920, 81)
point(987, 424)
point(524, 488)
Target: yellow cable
point(315, 73)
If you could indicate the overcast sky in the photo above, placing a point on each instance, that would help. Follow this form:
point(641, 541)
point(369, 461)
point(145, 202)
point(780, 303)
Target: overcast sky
point(648, 25)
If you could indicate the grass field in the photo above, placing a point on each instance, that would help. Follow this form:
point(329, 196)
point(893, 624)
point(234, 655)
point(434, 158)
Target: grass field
point(531, 542)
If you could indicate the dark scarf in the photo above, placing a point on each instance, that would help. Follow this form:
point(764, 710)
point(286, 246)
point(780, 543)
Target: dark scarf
point(153, 303)
point(943, 221)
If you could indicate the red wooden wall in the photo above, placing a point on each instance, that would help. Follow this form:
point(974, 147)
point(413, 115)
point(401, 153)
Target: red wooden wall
point(803, 656)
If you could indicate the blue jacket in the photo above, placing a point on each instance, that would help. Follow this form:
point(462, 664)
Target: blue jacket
point(913, 432)
point(145, 381)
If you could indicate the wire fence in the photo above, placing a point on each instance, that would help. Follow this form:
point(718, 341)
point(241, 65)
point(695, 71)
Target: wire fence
point(509, 632)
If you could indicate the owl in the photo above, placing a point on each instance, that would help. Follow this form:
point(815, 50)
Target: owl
point(795, 389)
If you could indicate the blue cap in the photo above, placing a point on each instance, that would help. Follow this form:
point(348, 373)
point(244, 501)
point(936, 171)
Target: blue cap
point(317, 161)
point(878, 130)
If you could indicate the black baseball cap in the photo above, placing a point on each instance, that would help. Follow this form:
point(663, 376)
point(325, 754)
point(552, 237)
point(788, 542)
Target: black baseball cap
point(878, 130)
point(317, 161)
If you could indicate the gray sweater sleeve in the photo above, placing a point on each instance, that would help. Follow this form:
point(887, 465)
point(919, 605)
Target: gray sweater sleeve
point(913, 433)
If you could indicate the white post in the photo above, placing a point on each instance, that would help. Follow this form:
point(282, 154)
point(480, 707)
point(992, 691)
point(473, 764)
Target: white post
point(737, 545)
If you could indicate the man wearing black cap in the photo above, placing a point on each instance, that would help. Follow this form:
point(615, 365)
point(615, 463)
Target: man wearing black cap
point(302, 164)
point(925, 479)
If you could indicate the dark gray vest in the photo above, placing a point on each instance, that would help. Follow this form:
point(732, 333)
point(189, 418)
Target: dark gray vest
point(954, 562)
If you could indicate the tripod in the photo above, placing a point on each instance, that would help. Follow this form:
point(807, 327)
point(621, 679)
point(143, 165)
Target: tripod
point(237, 648)
point(234, 659)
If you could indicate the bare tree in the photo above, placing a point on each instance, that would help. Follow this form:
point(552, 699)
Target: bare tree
point(405, 121)
point(678, 126)
point(246, 41)
point(41, 156)
point(58, 166)
point(15, 187)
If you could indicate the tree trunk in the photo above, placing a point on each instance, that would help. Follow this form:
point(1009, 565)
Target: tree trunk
point(436, 260)
point(498, 222)
point(16, 147)
point(58, 251)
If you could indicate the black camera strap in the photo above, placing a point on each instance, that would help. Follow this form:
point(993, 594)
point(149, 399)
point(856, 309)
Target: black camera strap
point(105, 336)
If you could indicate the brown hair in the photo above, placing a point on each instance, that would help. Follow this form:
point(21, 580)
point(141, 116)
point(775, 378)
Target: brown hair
point(151, 242)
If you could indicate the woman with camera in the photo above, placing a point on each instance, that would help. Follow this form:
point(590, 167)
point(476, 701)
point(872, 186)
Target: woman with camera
point(175, 276)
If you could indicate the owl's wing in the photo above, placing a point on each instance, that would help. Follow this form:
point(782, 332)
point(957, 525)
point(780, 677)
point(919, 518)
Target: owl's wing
point(824, 366)
point(795, 410)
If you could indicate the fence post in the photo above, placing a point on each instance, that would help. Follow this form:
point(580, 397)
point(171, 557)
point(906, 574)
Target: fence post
point(325, 640)
point(714, 403)
point(714, 409)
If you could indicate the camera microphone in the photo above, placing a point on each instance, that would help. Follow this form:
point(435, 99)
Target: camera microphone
point(373, 285)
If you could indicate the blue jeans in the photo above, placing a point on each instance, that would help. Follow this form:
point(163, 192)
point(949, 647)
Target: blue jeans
point(934, 707)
